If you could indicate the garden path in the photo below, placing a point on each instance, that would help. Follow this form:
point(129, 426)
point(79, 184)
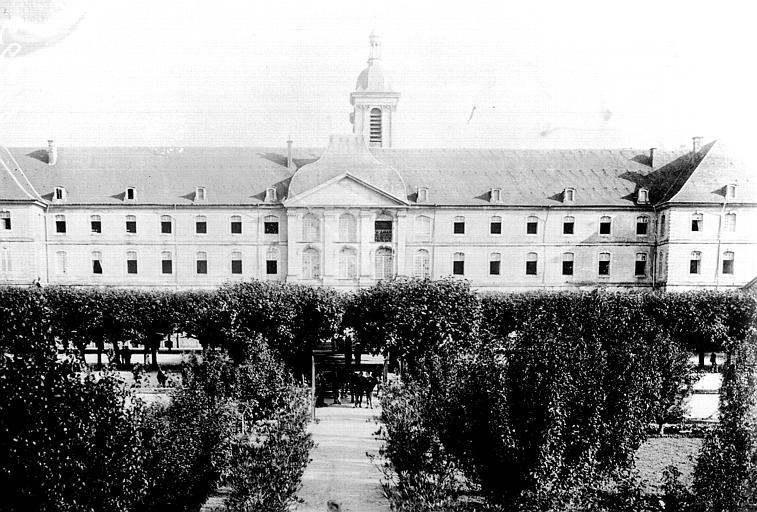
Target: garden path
point(340, 469)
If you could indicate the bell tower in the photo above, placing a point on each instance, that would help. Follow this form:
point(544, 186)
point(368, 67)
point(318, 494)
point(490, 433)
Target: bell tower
point(373, 101)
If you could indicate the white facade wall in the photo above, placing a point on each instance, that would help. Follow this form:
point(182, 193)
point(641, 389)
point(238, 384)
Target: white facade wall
point(22, 247)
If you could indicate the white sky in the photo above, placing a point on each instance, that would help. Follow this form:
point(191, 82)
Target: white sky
point(540, 74)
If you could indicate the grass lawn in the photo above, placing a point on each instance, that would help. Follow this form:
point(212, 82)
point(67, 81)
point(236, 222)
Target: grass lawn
point(659, 452)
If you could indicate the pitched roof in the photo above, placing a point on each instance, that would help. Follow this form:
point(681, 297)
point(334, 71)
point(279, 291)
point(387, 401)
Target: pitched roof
point(14, 185)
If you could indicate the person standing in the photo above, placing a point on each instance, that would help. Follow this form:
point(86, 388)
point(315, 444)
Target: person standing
point(714, 362)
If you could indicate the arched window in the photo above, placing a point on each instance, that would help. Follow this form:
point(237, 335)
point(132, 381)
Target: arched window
point(347, 263)
point(458, 264)
point(697, 220)
point(728, 262)
point(604, 264)
point(166, 224)
point(568, 225)
point(640, 269)
point(495, 225)
point(131, 262)
point(60, 223)
point(422, 264)
point(495, 195)
point(270, 225)
point(495, 263)
point(311, 228)
point(272, 261)
point(61, 262)
point(95, 224)
point(422, 228)
point(730, 222)
point(236, 262)
point(642, 223)
point(532, 225)
point(375, 135)
point(730, 191)
point(347, 228)
point(97, 258)
point(605, 225)
point(311, 264)
point(567, 263)
point(166, 262)
point(131, 224)
point(236, 224)
point(531, 261)
point(201, 224)
point(202, 262)
point(569, 195)
point(695, 262)
point(384, 263)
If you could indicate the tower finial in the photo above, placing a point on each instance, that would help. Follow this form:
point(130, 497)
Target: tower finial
point(375, 42)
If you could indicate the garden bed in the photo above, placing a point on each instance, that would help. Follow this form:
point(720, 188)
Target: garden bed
point(659, 452)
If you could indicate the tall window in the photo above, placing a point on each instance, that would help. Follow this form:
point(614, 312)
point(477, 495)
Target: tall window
point(383, 231)
point(730, 191)
point(458, 264)
point(532, 225)
point(272, 261)
point(695, 263)
point(605, 225)
point(61, 262)
point(166, 262)
point(697, 220)
point(166, 224)
point(131, 224)
point(640, 268)
point(201, 194)
point(311, 228)
point(131, 262)
point(236, 224)
point(5, 260)
point(495, 263)
point(567, 263)
point(531, 259)
point(422, 228)
point(5, 220)
point(201, 262)
point(569, 194)
point(422, 264)
point(347, 263)
point(347, 228)
point(642, 223)
point(604, 264)
point(131, 194)
point(568, 225)
point(384, 263)
point(662, 225)
point(375, 135)
point(95, 224)
point(728, 262)
point(60, 194)
point(60, 223)
point(201, 225)
point(271, 225)
point(311, 264)
point(730, 222)
point(495, 225)
point(236, 262)
point(458, 227)
point(97, 258)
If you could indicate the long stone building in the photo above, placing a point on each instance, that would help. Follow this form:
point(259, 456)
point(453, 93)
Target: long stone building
point(361, 210)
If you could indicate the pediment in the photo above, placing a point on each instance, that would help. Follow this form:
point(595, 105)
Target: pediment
point(345, 190)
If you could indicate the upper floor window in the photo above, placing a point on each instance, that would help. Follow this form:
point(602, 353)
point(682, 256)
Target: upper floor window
point(236, 224)
point(59, 194)
point(730, 222)
point(458, 264)
point(384, 263)
point(604, 264)
point(495, 195)
point(495, 264)
point(347, 228)
point(567, 263)
point(531, 260)
point(270, 225)
point(311, 264)
point(697, 221)
point(422, 264)
point(422, 229)
point(131, 194)
point(730, 191)
point(272, 261)
point(201, 224)
point(605, 225)
point(60, 223)
point(640, 268)
point(642, 196)
point(532, 225)
point(347, 263)
point(311, 228)
point(95, 224)
point(375, 126)
point(166, 224)
point(201, 194)
point(5, 219)
point(642, 223)
point(495, 225)
point(131, 262)
point(662, 225)
point(695, 262)
point(422, 195)
point(97, 258)
point(458, 227)
point(568, 225)
point(728, 262)
point(131, 224)
point(270, 195)
point(236, 262)
point(383, 231)
point(61, 262)
point(166, 262)
point(569, 195)
point(201, 262)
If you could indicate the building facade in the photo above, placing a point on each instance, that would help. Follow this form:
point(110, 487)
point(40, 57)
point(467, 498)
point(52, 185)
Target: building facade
point(363, 210)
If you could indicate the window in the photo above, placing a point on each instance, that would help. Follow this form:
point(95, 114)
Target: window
point(59, 194)
point(347, 228)
point(640, 268)
point(697, 221)
point(61, 262)
point(131, 224)
point(495, 226)
point(569, 195)
point(422, 264)
point(568, 225)
point(384, 263)
point(730, 222)
point(202, 262)
point(495, 263)
point(642, 196)
point(131, 262)
point(383, 231)
point(311, 228)
point(567, 263)
point(458, 264)
point(375, 133)
point(311, 264)
point(201, 225)
point(458, 227)
point(422, 195)
point(5, 261)
point(495, 195)
point(728, 262)
point(695, 263)
point(97, 267)
point(730, 191)
point(236, 224)
point(662, 225)
point(604, 264)
point(532, 225)
point(272, 261)
point(201, 194)
point(531, 259)
point(642, 223)
point(422, 229)
point(271, 225)
point(95, 224)
point(131, 194)
point(605, 225)
point(347, 263)
point(236, 262)
point(60, 223)
point(270, 195)
point(5, 220)
point(166, 224)
point(166, 263)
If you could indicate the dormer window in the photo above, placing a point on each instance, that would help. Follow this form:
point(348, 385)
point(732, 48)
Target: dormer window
point(200, 194)
point(59, 194)
point(642, 196)
point(569, 195)
point(730, 191)
point(131, 194)
point(422, 194)
point(270, 195)
point(495, 195)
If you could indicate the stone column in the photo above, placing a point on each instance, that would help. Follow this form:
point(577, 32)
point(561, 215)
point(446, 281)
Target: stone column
point(329, 249)
point(401, 239)
point(294, 233)
point(366, 244)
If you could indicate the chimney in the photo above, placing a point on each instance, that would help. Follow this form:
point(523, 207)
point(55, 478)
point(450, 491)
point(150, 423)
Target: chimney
point(651, 156)
point(696, 144)
point(52, 152)
point(290, 162)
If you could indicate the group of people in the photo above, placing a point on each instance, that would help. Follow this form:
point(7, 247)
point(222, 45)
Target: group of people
point(356, 384)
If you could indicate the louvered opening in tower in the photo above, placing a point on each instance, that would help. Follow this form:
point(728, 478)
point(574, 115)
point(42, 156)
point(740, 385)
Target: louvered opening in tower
point(376, 126)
